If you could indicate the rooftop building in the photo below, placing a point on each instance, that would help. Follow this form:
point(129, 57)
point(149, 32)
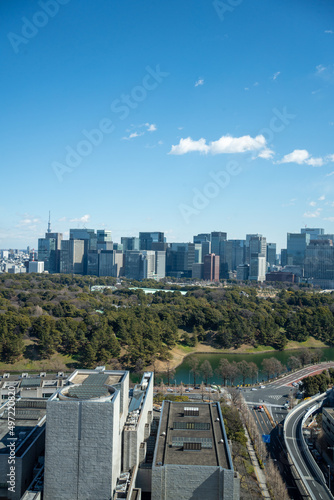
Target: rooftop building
point(192, 458)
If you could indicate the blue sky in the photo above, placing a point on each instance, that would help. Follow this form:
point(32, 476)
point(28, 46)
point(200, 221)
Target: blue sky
point(182, 117)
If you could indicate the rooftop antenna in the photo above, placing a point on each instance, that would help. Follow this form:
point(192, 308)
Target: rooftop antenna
point(49, 223)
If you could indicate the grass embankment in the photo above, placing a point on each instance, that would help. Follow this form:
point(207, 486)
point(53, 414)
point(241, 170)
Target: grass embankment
point(31, 361)
point(179, 352)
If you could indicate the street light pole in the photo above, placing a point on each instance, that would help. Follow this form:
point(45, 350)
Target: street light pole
point(329, 477)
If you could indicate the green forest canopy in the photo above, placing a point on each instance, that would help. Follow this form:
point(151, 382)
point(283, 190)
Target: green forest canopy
point(61, 313)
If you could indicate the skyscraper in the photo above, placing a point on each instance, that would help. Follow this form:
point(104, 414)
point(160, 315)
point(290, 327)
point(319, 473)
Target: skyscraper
point(271, 254)
point(296, 247)
point(211, 267)
point(258, 257)
point(146, 240)
point(72, 257)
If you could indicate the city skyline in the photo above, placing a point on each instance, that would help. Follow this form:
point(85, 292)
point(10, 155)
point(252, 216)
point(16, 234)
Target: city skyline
point(167, 117)
point(66, 235)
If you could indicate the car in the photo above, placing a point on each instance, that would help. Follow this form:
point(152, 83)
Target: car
point(262, 409)
point(254, 389)
point(294, 384)
point(197, 387)
point(169, 390)
point(262, 387)
point(256, 407)
point(187, 390)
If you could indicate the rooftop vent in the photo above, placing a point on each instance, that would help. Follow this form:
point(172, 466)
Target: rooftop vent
point(190, 411)
point(42, 374)
point(60, 374)
point(6, 375)
point(24, 375)
point(192, 446)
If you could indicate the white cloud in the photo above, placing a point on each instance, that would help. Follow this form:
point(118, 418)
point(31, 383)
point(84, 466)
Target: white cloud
point(315, 162)
point(330, 32)
point(331, 219)
point(151, 127)
point(302, 156)
point(326, 73)
point(320, 69)
point(84, 219)
point(266, 154)
point(200, 81)
point(330, 174)
point(133, 135)
point(275, 75)
point(188, 145)
point(246, 88)
point(313, 215)
point(297, 156)
point(313, 204)
point(322, 198)
point(256, 84)
point(225, 145)
point(330, 158)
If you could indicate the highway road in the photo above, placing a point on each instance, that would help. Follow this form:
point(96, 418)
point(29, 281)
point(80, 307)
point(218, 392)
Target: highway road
point(302, 457)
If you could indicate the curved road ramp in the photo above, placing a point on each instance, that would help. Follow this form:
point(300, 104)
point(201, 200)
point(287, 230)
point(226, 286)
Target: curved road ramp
point(309, 478)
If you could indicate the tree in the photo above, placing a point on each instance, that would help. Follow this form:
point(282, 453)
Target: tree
point(294, 363)
point(269, 366)
point(223, 369)
point(253, 369)
point(206, 370)
point(233, 372)
point(193, 362)
point(170, 373)
point(305, 356)
point(244, 370)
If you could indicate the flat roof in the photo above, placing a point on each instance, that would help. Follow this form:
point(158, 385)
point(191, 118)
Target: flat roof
point(27, 415)
point(191, 434)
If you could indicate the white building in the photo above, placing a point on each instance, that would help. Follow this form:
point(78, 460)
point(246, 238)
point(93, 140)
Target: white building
point(36, 266)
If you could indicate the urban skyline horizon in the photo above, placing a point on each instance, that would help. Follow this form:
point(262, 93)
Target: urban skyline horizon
point(66, 235)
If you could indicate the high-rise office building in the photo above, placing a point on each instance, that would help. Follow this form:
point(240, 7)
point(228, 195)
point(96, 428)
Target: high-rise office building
point(146, 240)
point(180, 259)
point(233, 255)
point(258, 258)
point(319, 260)
point(87, 235)
point(217, 239)
point(129, 243)
point(103, 235)
point(296, 247)
point(93, 263)
point(160, 264)
point(314, 232)
point(211, 267)
point(72, 257)
point(271, 254)
point(110, 263)
point(202, 237)
point(47, 253)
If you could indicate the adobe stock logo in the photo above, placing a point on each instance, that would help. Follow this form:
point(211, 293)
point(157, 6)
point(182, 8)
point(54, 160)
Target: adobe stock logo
point(201, 199)
point(119, 107)
point(30, 28)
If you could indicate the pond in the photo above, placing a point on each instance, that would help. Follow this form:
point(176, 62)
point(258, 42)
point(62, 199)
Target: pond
point(183, 374)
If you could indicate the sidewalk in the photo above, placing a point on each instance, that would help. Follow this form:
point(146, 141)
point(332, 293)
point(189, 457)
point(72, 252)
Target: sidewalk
point(257, 469)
